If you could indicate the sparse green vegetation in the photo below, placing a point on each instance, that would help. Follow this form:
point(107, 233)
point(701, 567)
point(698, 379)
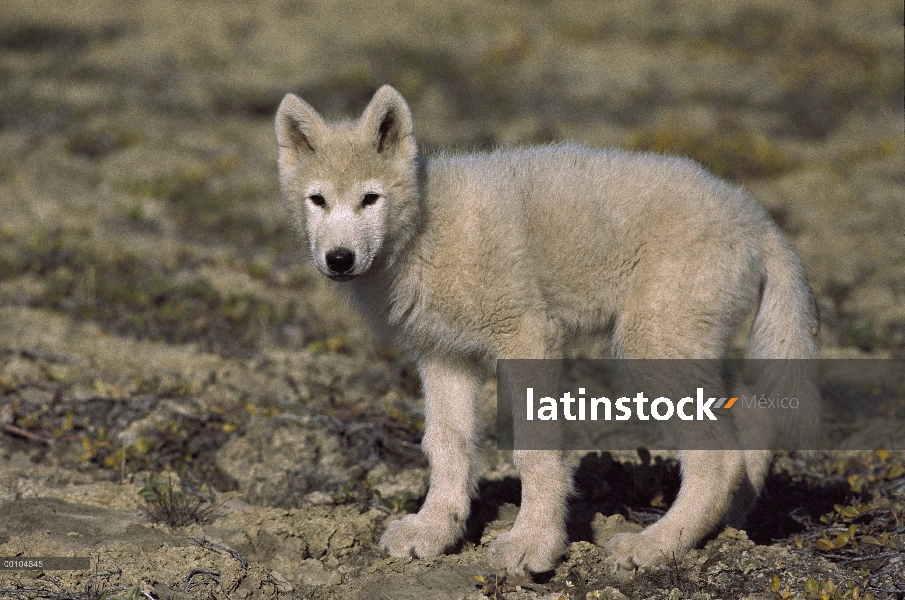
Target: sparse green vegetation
point(173, 506)
point(27, 36)
point(862, 335)
point(203, 203)
point(97, 143)
point(134, 294)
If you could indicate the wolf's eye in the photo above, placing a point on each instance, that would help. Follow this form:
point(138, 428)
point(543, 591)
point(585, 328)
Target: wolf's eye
point(317, 200)
point(369, 199)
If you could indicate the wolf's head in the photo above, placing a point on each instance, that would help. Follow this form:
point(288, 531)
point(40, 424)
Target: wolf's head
point(350, 187)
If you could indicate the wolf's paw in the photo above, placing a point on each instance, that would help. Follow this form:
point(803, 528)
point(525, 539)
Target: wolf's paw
point(530, 549)
point(418, 536)
point(632, 550)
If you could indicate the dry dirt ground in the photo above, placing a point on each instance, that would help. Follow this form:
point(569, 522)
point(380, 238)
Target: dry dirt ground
point(191, 407)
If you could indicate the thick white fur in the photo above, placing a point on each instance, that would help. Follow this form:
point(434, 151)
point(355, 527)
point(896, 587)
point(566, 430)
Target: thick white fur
point(511, 254)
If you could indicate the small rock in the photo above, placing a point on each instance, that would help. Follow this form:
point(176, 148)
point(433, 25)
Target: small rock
point(606, 527)
point(280, 583)
point(311, 572)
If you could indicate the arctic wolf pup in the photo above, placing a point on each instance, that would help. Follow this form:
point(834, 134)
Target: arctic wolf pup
point(469, 259)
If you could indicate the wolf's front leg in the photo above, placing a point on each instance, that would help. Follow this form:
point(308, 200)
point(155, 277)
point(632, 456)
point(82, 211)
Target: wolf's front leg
point(538, 538)
point(451, 389)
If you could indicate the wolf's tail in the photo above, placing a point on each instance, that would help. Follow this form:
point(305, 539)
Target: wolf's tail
point(784, 335)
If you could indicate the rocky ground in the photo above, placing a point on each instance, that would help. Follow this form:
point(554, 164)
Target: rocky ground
point(185, 402)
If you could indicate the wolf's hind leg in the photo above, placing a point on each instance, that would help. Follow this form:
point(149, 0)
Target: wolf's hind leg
point(713, 469)
point(757, 466)
point(451, 389)
point(538, 537)
point(709, 480)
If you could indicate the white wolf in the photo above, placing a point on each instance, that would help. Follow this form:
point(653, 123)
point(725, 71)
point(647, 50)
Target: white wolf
point(468, 259)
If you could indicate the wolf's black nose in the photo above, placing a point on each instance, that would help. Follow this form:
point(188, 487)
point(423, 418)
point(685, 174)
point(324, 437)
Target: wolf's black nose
point(340, 260)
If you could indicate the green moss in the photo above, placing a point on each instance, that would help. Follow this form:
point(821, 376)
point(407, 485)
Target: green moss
point(736, 155)
point(97, 143)
point(138, 218)
point(187, 187)
point(861, 334)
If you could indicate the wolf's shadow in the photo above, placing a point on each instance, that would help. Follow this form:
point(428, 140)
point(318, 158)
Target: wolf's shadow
point(643, 492)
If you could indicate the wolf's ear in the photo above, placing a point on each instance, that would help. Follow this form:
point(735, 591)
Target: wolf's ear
point(300, 130)
point(387, 124)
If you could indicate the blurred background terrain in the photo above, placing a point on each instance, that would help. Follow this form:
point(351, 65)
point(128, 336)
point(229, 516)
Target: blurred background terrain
point(156, 316)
